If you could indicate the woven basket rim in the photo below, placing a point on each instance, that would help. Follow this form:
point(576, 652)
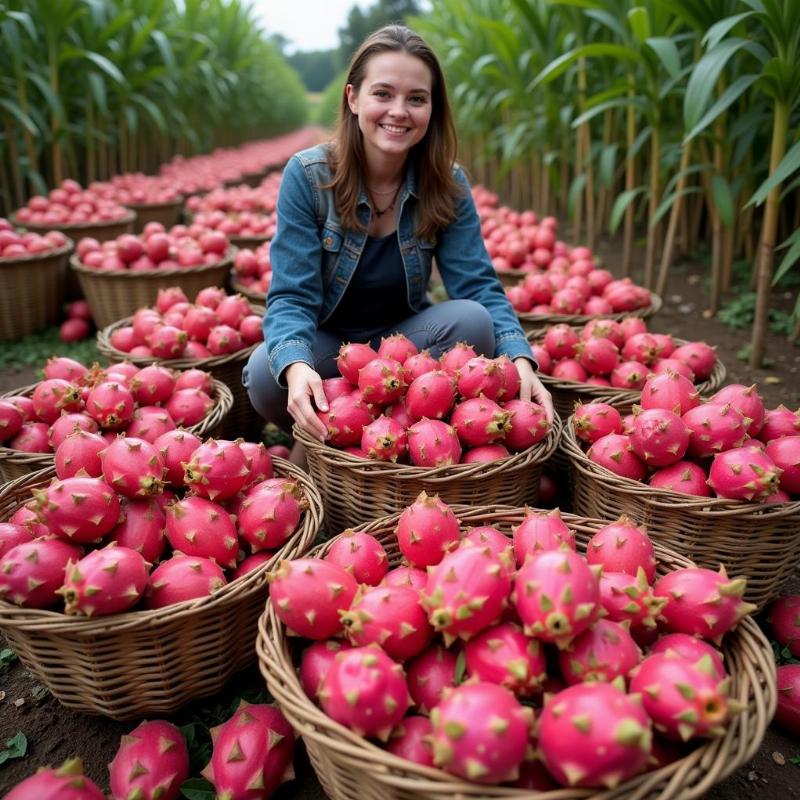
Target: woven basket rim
point(55, 621)
point(223, 402)
point(148, 206)
point(656, 304)
point(132, 275)
point(316, 725)
point(245, 241)
point(109, 351)
point(338, 459)
point(59, 252)
point(258, 297)
point(68, 226)
point(666, 498)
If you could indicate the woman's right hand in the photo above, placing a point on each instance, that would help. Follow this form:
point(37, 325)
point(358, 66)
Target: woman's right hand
point(304, 385)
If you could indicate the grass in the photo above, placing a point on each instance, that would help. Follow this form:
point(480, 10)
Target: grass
point(34, 351)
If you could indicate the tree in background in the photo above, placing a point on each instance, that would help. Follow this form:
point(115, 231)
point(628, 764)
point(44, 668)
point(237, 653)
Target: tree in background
point(361, 23)
point(315, 67)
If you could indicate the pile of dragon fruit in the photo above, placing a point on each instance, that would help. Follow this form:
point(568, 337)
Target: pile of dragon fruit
point(215, 324)
point(400, 404)
point(253, 269)
point(102, 403)
point(181, 247)
point(14, 244)
point(70, 204)
point(621, 354)
point(446, 658)
point(138, 524)
point(729, 444)
point(136, 188)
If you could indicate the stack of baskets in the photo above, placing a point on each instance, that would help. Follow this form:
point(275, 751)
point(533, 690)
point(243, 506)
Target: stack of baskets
point(140, 663)
point(352, 768)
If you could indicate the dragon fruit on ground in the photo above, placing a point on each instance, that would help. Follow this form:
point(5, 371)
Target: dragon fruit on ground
point(66, 782)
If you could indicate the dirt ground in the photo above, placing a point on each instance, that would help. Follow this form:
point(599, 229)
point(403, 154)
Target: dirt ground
point(55, 733)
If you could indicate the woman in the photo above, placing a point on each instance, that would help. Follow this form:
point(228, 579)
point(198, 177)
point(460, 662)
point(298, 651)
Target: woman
point(359, 223)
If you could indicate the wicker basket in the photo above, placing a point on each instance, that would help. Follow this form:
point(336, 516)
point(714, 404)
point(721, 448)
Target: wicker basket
point(257, 298)
point(250, 242)
point(242, 420)
point(168, 213)
point(355, 490)
point(566, 393)
point(114, 294)
point(32, 292)
point(758, 541)
point(352, 768)
point(139, 663)
point(16, 464)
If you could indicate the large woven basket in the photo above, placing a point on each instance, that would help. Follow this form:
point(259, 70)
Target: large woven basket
point(16, 464)
point(32, 292)
point(761, 542)
point(352, 768)
point(242, 420)
point(355, 490)
point(141, 663)
point(114, 294)
point(168, 214)
point(250, 242)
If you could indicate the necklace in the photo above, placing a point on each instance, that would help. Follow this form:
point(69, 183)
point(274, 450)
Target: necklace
point(379, 212)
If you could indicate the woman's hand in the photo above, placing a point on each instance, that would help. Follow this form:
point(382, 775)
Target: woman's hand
point(531, 388)
point(305, 384)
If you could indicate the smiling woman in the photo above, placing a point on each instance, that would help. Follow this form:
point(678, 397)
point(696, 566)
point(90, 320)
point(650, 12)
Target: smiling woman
point(360, 221)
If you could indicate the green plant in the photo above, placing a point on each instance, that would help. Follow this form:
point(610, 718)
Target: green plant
point(15, 747)
point(34, 350)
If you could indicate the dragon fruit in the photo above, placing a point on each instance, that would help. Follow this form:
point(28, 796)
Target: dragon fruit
point(189, 406)
point(622, 546)
point(430, 395)
point(78, 509)
point(659, 437)
point(466, 592)
point(480, 376)
point(218, 469)
point(308, 594)
point(406, 576)
point(384, 439)
point(198, 527)
point(252, 753)
point(787, 714)
point(685, 477)
point(336, 387)
point(744, 473)
point(419, 364)
point(153, 384)
point(133, 467)
point(51, 397)
point(485, 454)
point(366, 691)
point(259, 462)
point(615, 452)
point(702, 602)
point(594, 735)
point(149, 422)
point(511, 380)
point(433, 443)
point(66, 782)
point(713, 428)
point(251, 563)
point(65, 368)
point(541, 531)
point(747, 401)
point(105, 581)
point(629, 375)
point(360, 554)
point(142, 529)
point(429, 675)
point(32, 572)
point(557, 595)
point(785, 453)
point(692, 649)
point(480, 733)
point(315, 663)
point(11, 420)
point(529, 424)
point(642, 347)
point(504, 654)
point(351, 358)
point(456, 357)
point(176, 448)
point(80, 451)
point(778, 422)
point(684, 699)
point(628, 598)
point(345, 420)
point(67, 424)
point(397, 347)
point(597, 356)
point(601, 653)
point(426, 530)
point(183, 578)
point(382, 381)
point(411, 740)
point(11, 535)
point(480, 421)
point(560, 341)
point(151, 763)
point(487, 536)
point(269, 516)
point(390, 616)
point(591, 421)
point(699, 357)
point(111, 405)
point(670, 391)
point(784, 617)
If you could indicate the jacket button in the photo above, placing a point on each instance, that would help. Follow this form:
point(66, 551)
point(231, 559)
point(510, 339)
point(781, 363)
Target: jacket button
point(328, 240)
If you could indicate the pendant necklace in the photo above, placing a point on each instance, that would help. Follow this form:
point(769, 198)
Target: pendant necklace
point(379, 212)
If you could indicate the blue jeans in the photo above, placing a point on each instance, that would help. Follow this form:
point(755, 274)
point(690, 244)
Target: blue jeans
point(436, 328)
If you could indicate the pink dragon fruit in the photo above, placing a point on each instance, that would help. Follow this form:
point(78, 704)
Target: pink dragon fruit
point(629, 375)
point(623, 546)
point(149, 422)
point(345, 420)
point(382, 381)
point(663, 364)
point(628, 598)
point(406, 576)
point(397, 347)
point(105, 581)
point(252, 753)
point(11, 535)
point(713, 428)
point(480, 376)
point(352, 357)
point(360, 554)
point(744, 473)
point(785, 453)
point(702, 602)
point(787, 713)
point(176, 448)
point(251, 563)
point(682, 476)
point(65, 368)
point(429, 675)
point(151, 763)
point(183, 578)
point(541, 531)
point(692, 649)
point(670, 391)
point(111, 405)
point(784, 617)
point(560, 341)
point(659, 437)
point(591, 421)
point(218, 469)
point(308, 594)
point(480, 733)
point(641, 347)
point(419, 364)
point(504, 654)
point(187, 407)
point(480, 421)
point(10, 420)
point(315, 663)
point(269, 516)
point(411, 740)
point(32, 572)
point(699, 357)
point(51, 397)
point(747, 401)
point(66, 782)
point(466, 592)
point(259, 462)
point(485, 454)
point(594, 735)
point(778, 422)
point(199, 527)
point(426, 530)
point(223, 339)
point(597, 356)
point(487, 536)
point(456, 357)
point(67, 424)
point(615, 452)
point(365, 691)
point(511, 381)
point(153, 384)
point(133, 467)
point(557, 596)
point(142, 529)
point(684, 699)
point(384, 439)
point(336, 387)
point(80, 451)
point(604, 652)
point(433, 443)
point(529, 424)
point(390, 616)
point(569, 369)
point(78, 509)
point(430, 395)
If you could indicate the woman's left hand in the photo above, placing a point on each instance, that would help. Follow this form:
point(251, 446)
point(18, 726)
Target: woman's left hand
point(531, 388)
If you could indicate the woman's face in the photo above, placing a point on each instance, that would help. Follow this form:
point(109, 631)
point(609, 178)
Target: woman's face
point(393, 105)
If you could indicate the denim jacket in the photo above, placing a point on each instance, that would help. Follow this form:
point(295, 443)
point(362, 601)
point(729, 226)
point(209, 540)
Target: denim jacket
point(313, 259)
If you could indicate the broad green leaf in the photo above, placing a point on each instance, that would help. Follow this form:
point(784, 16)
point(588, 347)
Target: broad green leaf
point(98, 88)
point(788, 165)
point(609, 20)
point(106, 66)
point(723, 199)
point(666, 49)
point(20, 116)
point(608, 160)
point(152, 110)
point(719, 29)
point(639, 21)
point(15, 747)
point(621, 102)
point(669, 201)
point(559, 65)
point(198, 789)
point(790, 259)
point(726, 100)
point(575, 189)
point(483, 61)
point(26, 21)
point(620, 206)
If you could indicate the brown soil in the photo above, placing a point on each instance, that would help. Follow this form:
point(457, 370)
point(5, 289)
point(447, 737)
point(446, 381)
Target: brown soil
point(55, 733)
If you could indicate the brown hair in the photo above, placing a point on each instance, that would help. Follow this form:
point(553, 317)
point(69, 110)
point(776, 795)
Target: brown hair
point(433, 156)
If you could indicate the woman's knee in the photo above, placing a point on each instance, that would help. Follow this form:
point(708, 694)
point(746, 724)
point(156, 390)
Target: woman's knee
point(266, 396)
point(473, 324)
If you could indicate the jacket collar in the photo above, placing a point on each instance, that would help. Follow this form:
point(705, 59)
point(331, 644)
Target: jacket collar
point(409, 185)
